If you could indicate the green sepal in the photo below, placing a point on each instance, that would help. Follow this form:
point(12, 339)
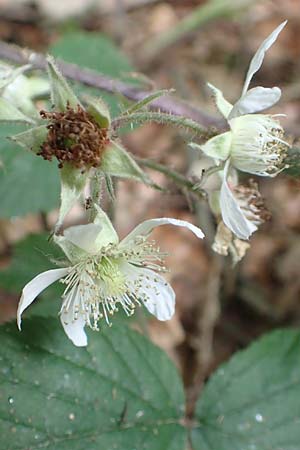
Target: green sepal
point(31, 139)
point(99, 110)
point(72, 252)
point(110, 186)
point(222, 104)
point(73, 181)
point(61, 93)
point(217, 147)
point(117, 162)
point(9, 113)
point(107, 234)
point(146, 100)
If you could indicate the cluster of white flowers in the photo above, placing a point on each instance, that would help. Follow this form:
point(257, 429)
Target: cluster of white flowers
point(254, 144)
point(104, 274)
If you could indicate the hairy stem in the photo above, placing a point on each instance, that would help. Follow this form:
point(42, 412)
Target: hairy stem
point(161, 118)
point(177, 178)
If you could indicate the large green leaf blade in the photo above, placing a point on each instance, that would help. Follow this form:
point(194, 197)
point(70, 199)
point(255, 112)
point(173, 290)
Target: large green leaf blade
point(253, 402)
point(30, 257)
point(115, 394)
point(28, 184)
point(93, 50)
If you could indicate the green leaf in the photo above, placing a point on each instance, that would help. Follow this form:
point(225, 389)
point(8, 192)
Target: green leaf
point(28, 184)
point(94, 51)
point(114, 394)
point(30, 257)
point(253, 402)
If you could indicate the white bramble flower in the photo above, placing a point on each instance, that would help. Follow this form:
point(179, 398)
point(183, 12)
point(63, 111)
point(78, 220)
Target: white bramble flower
point(105, 274)
point(254, 143)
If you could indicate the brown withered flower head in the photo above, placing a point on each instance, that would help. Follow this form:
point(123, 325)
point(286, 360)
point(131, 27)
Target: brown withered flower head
point(252, 203)
point(74, 137)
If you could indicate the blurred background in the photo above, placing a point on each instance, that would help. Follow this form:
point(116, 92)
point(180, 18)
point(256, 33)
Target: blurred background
point(180, 44)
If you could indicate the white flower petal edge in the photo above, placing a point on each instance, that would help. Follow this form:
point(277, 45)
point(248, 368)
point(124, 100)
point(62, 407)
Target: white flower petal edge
point(74, 329)
point(232, 214)
point(35, 287)
point(258, 58)
point(146, 227)
point(255, 100)
point(156, 294)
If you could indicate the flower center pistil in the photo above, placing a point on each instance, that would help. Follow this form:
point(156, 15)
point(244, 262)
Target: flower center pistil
point(111, 279)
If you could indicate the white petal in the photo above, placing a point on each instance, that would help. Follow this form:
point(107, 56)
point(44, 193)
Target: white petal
point(156, 294)
point(74, 329)
point(222, 104)
point(232, 214)
point(255, 100)
point(35, 287)
point(145, 228)
point(217, 147)
point(258, 58)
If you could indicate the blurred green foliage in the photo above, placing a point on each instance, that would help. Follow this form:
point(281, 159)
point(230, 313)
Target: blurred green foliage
point(94, 51)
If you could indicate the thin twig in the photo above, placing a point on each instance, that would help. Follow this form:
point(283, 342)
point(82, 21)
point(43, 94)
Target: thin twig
point(167, 104)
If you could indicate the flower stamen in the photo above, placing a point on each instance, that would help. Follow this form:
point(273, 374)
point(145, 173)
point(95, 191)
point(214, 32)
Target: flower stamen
point(96, 285)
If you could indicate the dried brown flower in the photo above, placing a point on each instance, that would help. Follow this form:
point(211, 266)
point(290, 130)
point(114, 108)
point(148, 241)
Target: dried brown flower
point(252, 202)
point(74, 137)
